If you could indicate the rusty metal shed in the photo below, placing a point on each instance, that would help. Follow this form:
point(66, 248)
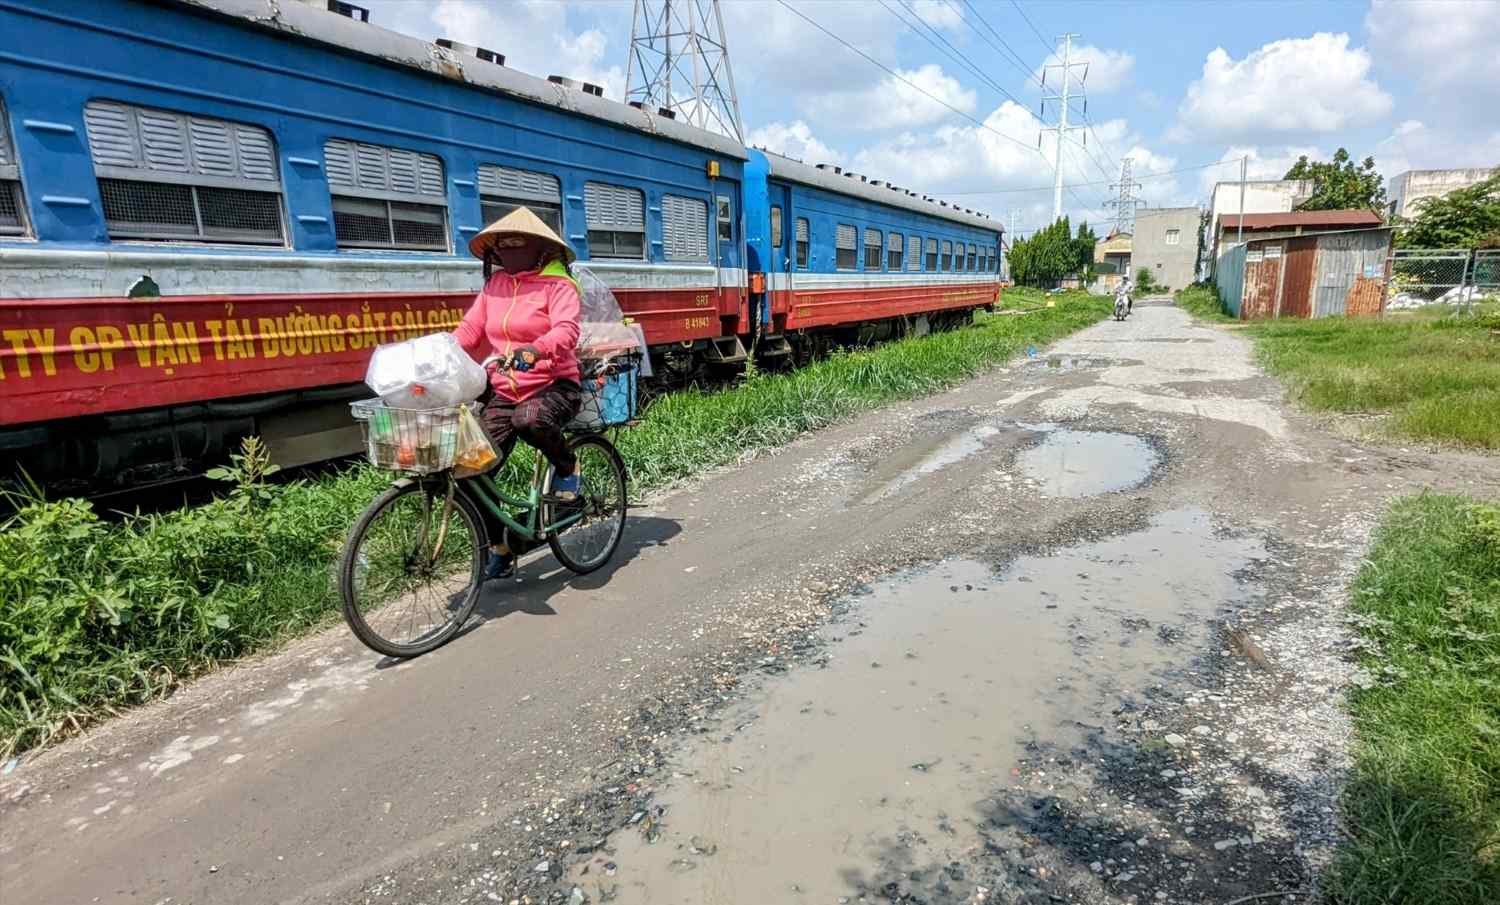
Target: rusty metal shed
point(1330, 274)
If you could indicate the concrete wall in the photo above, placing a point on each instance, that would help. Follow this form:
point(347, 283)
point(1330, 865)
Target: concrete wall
point(1172, 265)
point(1414, 185)
point(1261, 197)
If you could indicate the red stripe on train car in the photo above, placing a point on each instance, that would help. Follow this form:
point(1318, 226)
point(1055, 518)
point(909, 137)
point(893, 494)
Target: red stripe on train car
point(828, 307)
point(62, 358)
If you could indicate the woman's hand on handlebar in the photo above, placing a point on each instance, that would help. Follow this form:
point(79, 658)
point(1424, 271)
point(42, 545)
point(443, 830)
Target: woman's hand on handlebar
point(525, 358)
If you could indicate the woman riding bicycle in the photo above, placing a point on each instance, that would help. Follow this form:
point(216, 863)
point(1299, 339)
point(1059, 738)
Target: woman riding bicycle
point(527, 316)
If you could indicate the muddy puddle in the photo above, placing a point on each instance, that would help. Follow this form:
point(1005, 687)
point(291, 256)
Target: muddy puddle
point(833, 782)
point(1075, 463)
point(929, 455)
point(1068, 363)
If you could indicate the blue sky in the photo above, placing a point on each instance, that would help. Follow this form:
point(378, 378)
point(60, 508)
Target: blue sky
point(1171, 85)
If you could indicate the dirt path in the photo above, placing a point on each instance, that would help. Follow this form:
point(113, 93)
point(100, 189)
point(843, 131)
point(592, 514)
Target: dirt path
point(1069, 632)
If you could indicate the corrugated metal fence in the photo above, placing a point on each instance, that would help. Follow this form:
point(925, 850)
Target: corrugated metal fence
point(1329, 274)
point(1229, 274)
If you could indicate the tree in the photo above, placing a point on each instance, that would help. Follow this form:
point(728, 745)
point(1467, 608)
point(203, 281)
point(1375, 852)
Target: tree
point(1053, 253)
point(1145, 282)
point(1340, 184)
point(1083, 252)
point(1466, 218)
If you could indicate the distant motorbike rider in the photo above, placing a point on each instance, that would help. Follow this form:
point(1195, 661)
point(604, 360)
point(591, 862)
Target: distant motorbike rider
point(1122, 290)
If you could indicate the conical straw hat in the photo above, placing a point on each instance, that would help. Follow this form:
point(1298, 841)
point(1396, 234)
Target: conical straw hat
point(519, 222)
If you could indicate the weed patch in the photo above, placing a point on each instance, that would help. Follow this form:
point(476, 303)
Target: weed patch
point(1423, 805)
point(1434, 379)
point(1203, 302)
point(101, 615)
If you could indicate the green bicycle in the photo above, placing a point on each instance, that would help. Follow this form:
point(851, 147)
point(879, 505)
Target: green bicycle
point(412, 567)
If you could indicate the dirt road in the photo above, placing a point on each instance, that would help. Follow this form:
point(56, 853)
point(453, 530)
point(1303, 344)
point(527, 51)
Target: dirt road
point(1070, 632)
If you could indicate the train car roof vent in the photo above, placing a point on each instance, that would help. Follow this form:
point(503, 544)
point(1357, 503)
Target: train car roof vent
point(666, 112)
point(576, 85)
point(349, 10)
point(637, 105)
point(489, 56)
point(877, 182)
point(829, 166)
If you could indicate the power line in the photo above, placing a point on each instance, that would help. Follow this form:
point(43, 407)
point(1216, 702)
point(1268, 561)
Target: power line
point(952, 52)
point(1047, 188)
point(1014, 58)
point(894, 74)
point(1033, 25)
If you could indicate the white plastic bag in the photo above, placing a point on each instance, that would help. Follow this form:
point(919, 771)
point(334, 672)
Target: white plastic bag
point(602, 330)
point(428, 372)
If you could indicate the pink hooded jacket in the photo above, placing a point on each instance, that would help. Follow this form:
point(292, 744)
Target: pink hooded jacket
point(535, 309)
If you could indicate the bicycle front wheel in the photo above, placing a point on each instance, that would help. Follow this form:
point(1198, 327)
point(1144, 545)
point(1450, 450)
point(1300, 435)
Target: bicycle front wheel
point(588, 543)
point(410, 575)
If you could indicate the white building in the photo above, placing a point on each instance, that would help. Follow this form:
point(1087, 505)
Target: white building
point(1414, 185)
point(1261, 196)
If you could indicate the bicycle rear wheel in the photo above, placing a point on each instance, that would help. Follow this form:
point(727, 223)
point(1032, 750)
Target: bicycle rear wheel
point(410, 574)
point(589, 542)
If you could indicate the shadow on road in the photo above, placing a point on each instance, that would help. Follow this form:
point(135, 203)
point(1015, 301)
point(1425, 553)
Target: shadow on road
point(543, 577)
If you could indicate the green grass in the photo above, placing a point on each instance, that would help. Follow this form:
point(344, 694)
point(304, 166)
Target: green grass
point(1203, 302)
point(1423, 805)
point(1434, 379)
point(99, 615)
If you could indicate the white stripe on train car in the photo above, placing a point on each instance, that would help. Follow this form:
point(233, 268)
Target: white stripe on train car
point(816, 281)
point(72, 273)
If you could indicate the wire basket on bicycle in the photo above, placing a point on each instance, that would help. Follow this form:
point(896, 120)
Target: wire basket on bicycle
point(418, 441)
point(609, 391)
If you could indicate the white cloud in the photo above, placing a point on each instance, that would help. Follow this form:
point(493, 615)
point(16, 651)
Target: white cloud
point(1413, 145)
point(895, 103)
point(1296, 85)
point(939, 14)
point(1443, 44)
point(533, 35)
point(1109, 70)
point(781, 55)
point(1263, 163)
point(793, 139)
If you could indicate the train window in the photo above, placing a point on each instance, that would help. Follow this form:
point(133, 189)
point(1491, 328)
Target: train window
point(386, 197)
point(845, 257)
point(803, 241)
point(947, 254)
point(685, 228)
point(913, 254)
point(12, 216)
point(775, 226)
point(994, 261)
point(973, 257)
point(726, 220)
point(872, 249)
point(932, 255)
point(168, 175)
point(616, 221)
point(894, 246)
point(503, 189)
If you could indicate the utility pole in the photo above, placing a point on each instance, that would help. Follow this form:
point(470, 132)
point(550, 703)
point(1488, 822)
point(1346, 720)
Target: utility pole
point(1125, 203)
point(1240, 236)
point(1062, 128)
point(679, 62)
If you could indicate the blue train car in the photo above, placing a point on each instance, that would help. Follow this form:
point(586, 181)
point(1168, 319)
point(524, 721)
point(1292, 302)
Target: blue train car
point(211, 210)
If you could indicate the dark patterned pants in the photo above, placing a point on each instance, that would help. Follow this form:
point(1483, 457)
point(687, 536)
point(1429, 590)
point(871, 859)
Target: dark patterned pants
point(538, 420)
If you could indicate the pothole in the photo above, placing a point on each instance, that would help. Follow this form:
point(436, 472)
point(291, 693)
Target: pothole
point(1077, 463)
point(931, 454)
point(1067, 363)
point(874, 770)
